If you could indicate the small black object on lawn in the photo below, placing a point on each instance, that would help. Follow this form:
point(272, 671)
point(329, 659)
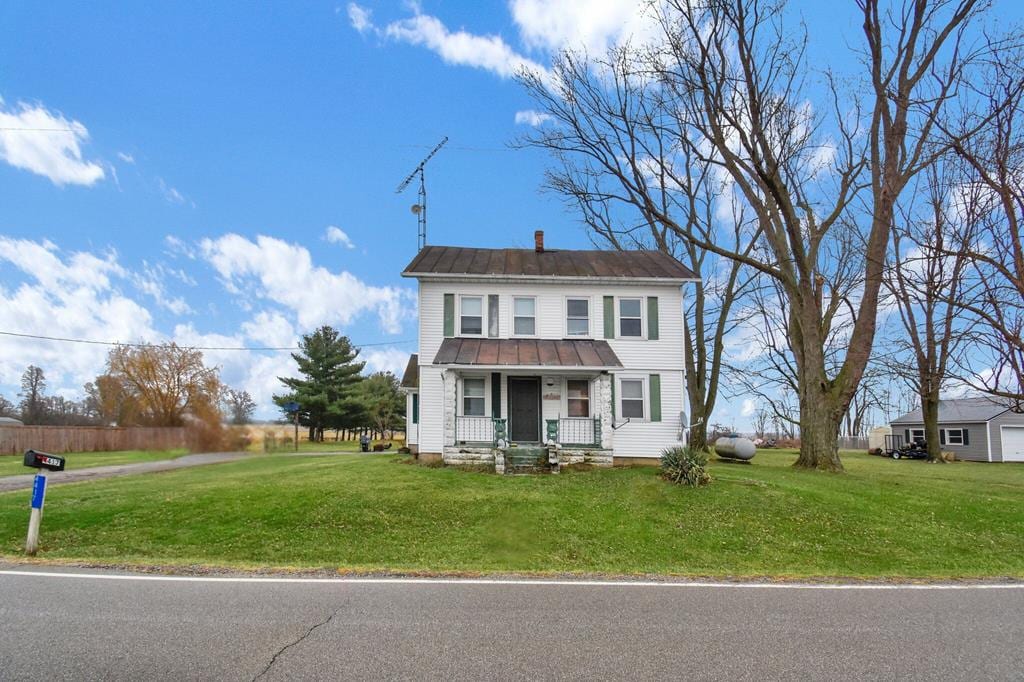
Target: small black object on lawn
point(42, 460)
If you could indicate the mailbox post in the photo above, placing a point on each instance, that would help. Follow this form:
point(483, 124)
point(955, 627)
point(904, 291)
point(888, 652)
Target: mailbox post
point(44, 463)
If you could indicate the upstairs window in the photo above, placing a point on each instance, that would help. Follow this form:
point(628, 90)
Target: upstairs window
point(524, 316)
point(631, 317)
point(577, 393)
point(473, 397)
point(471, 317)
point(632, 398)
point(577, 317)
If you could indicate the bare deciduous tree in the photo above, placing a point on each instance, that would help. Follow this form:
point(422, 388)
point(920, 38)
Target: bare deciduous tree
point(927, 281)
point(727, 82)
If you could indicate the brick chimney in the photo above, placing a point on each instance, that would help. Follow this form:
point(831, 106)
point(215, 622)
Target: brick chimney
point(538, 241)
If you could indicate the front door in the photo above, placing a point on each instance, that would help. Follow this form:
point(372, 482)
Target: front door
point(524, 409)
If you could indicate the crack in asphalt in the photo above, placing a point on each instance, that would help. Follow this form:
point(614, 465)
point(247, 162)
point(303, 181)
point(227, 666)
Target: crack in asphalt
point(298, 641)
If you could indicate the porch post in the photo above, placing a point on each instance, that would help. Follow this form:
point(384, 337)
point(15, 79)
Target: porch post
point(604, 411)
point(449, 381)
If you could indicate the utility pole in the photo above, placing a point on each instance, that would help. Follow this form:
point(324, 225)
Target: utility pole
point(420, 207)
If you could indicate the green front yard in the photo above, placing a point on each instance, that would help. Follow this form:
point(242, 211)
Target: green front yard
point(881, 518)
point(11, 465)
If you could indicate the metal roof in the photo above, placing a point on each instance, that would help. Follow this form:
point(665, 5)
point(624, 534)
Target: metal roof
point(411, 377)
point(527, 353)
point(464, 261)
point(980, 409)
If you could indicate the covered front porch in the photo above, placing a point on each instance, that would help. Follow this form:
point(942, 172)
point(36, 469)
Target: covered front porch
point(517, 415)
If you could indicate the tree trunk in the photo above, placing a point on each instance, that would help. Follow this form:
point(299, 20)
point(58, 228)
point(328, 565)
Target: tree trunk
point(930, 414)
point(819, 434)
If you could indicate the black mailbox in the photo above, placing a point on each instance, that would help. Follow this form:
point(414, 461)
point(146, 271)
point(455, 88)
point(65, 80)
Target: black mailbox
point(41, 460)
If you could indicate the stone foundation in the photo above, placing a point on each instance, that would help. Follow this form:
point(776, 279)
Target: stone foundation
point(468, 456)
point(637, 461)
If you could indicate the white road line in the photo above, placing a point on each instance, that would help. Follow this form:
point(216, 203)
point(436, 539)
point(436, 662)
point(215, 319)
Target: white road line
point(521, 581)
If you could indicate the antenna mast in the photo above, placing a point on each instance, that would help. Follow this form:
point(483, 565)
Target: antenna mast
point(420, 207)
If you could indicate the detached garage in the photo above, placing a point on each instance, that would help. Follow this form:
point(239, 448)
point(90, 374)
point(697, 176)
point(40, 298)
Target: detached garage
point(978, 429)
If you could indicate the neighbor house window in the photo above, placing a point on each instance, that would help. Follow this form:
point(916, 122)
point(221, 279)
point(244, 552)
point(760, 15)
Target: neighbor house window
point(577, 317)
point(954, 436)
point(632, 398)
point(524, 316)
point(630, 320)
point(473, 397)
point(577, 393)
point(472, 315)
point(916, 435)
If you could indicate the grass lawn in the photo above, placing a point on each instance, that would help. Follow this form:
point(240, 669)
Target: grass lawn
point(11, 465)
point(881, 518)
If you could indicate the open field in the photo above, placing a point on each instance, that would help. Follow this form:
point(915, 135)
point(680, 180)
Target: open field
point(11, 465)
point(881, 518)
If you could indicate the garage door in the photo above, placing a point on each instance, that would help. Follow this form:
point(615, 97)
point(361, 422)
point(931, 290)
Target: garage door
point(1013, 443)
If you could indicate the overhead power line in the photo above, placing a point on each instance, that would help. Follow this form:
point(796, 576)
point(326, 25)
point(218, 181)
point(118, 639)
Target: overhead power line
point(185, 346)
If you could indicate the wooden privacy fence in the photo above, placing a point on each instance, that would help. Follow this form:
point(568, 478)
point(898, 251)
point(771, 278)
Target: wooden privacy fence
point(57, 439)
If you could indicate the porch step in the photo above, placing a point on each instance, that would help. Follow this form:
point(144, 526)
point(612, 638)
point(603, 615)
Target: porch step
point(526, 460)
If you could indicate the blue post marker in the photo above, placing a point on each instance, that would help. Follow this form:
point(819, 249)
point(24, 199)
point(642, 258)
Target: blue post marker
point(38, 497)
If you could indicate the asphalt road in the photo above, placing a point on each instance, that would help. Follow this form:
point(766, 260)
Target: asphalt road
point(23, 481)
point(80, 628)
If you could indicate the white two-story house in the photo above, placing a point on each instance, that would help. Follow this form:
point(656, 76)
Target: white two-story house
point(576, 352)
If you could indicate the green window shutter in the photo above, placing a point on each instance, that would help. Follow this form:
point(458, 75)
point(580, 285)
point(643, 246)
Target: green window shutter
point(967, 439)
point(613, 398)
point(449, 315)
point(415, 408)
point(496, 395)
point(652, 318)
point(609, 317)
point(655, 389)
point(942, 436)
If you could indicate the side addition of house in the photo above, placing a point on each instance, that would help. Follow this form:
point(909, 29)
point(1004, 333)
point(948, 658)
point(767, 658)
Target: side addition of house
point(578, 353)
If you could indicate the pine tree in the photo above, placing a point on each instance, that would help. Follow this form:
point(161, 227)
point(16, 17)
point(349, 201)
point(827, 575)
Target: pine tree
point(328, 390)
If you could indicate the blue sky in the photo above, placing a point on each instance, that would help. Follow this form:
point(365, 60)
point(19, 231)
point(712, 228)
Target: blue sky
point(215, 144)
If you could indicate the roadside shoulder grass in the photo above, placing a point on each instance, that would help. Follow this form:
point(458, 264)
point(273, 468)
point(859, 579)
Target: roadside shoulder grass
point(11, 465)
point(375, 513)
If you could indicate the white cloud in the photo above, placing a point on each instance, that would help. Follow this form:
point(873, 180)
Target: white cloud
point(69, 295)
point(488, 52)
point(336, 235)
point(126, 157)
point(283, 272)
point(749, 408)
point(177, 247)
point(171, 194)
point(387, 359)
point(591, 25)
point(46, 143)
point(360, 17)
point(531, 117)
point(151, 281)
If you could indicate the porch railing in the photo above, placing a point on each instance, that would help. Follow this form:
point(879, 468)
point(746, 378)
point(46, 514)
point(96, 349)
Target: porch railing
point(474, 430)
point(578, 431)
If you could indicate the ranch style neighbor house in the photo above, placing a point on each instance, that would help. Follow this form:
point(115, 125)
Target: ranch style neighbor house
point(980, 429)
point(533, 358)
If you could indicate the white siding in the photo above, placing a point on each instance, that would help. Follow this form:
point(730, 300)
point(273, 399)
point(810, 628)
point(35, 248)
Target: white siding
point(663, 356)
point(411, 430)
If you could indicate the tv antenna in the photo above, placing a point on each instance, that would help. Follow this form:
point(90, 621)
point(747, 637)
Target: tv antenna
point(420, 207)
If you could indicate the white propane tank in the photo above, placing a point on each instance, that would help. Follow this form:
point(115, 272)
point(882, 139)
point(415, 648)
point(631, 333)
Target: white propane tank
point(735, 447)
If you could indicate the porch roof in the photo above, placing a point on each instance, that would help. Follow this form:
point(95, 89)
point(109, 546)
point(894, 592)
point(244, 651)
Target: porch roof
point(411, 378)
point(527, 353)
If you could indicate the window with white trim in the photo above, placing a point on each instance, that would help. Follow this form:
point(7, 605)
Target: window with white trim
point(473, 397)
point(577, 393)
point(631, 321)
point(954, 436)
point(524, 316)
point(577, 317)
point(471, 316)
point(631, 400)
point(916, 435)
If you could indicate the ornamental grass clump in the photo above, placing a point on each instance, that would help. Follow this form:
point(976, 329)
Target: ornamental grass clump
point(685, 466)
